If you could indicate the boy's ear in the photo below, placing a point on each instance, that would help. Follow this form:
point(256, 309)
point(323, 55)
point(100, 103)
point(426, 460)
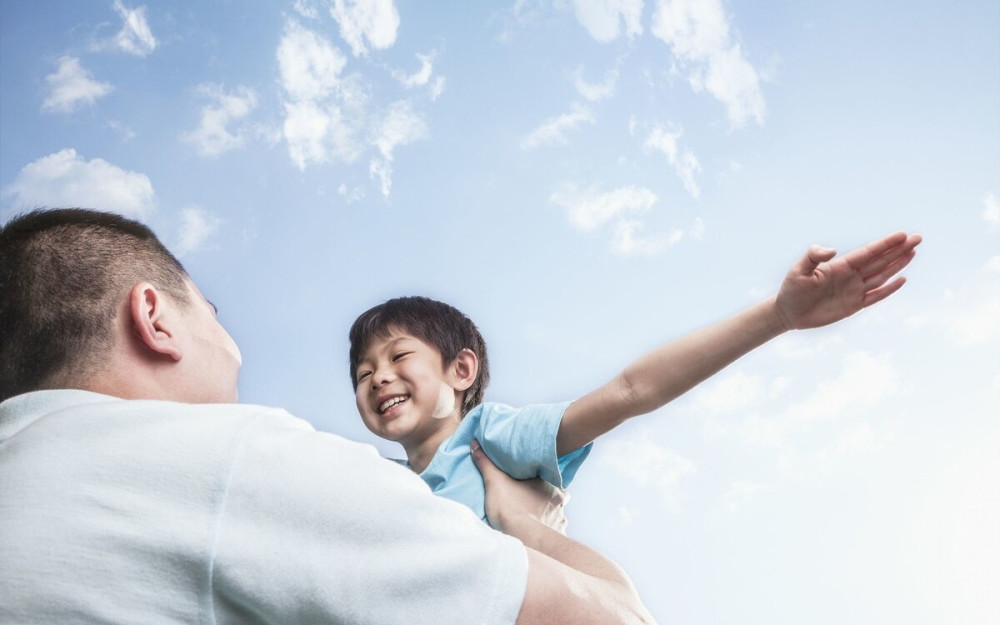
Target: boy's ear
point(152, 321)
point(464, 368)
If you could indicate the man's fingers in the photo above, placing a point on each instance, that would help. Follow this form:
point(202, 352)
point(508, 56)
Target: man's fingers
point(481, 460)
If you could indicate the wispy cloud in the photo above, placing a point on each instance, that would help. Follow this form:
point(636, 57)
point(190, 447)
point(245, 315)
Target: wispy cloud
point(310, 70)
point(399, 126)
point(135, 37)
point(646, 464)
point(366, 23)
point(197, 225)
point(587, 209)
point(630, 239)
point(422, 77)
point(605, 20)
point(214, 136)
point(972, 317)
point(991, 209)
point(864, 380)
point(684, 162)
point(329, 114)
point(553, 130)
point(70, 85)
point(66, 179)
point(594, 92)
point(699, 36)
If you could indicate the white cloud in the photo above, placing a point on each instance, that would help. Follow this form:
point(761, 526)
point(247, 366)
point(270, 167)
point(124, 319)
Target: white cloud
point(729, 394)
point(307, 8)
point(213, 135)
point(197, 225)
point(65, 179)
point(698, 34)
point(135, 37)
point(70, 85)
point(646, 464)
point(310, 67)
point(374, 21)
point(327, 113)
point(594, 92)
point(604, 19)
point(992, 265)
point(399, 126)
point(974, 320)
point(685, 163)
point(628, 239)
point(991, 209)
point(553, 130)
point(323, 108)
point(350, 195)
point(419, 78)
point(739, 493)
point(587, 209)
point(864, 381)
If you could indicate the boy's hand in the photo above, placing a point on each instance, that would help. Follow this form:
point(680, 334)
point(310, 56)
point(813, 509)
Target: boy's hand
point(820, 289)
point(509, 500)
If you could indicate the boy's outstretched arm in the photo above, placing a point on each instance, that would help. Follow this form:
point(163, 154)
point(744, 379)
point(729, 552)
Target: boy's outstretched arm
point(818, 290)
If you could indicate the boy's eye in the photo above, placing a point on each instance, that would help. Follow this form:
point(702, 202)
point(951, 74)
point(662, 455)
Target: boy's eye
point(399, 355)
point(363, 375)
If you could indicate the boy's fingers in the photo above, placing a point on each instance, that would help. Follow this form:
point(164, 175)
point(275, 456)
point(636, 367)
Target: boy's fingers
point(880, 274)
point(879, 294)
point(864, 255)
point(817, 254)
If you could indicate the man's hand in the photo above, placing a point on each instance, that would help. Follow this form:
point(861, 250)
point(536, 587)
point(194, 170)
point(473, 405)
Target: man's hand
point(508, 500)
point(820, 289)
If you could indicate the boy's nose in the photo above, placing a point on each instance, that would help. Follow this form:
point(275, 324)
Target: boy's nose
point(381, 378)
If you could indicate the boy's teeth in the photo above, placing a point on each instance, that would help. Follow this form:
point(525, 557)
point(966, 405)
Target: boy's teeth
point(389, 403)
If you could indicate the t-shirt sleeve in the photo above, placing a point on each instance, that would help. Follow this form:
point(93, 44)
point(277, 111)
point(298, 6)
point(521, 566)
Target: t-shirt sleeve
point(522, 442)
point(316, 528)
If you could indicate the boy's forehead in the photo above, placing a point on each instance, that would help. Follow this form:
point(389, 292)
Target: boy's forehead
point(390, 337)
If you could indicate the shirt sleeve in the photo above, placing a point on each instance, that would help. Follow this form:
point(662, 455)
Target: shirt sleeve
point(318, 529)
point(522, 442)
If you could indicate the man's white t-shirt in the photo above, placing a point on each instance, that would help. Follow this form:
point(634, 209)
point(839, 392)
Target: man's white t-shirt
point(117, 511)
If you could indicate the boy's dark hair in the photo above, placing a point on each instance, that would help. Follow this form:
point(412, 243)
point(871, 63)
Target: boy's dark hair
point(440, 325)
point(63, 275)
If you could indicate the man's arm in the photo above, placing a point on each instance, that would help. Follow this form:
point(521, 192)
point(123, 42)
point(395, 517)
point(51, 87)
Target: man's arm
point(568, 582)
point(818, 290)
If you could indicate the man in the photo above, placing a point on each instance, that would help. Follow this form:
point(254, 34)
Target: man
point(133, 490)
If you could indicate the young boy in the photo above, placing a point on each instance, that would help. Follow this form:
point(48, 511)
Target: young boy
point(419, 369)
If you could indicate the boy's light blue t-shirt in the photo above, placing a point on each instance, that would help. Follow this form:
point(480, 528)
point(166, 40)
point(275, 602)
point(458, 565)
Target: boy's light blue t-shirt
point(521, 441)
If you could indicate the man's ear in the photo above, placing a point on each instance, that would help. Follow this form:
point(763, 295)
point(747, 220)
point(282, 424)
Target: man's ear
point(464, 368)
point(151, 320)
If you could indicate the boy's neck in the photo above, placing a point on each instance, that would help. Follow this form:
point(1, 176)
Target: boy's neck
point(419, 453)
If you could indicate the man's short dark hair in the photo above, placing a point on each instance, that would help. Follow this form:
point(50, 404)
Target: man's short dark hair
point(440, 325)
point(63, 276)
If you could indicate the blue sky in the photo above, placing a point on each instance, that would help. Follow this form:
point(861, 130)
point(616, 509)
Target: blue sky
point(588, 179)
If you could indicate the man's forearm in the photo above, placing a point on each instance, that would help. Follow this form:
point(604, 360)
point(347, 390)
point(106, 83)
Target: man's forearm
point(583, 586)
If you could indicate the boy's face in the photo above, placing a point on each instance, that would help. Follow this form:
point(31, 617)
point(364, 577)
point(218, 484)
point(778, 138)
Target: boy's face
point(405, 392)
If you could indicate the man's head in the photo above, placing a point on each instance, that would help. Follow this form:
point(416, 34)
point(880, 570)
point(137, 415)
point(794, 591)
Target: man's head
point(80, 288)
point(439, 325)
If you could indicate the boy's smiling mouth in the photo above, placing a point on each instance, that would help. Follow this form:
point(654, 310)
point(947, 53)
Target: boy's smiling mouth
point(390, 403)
